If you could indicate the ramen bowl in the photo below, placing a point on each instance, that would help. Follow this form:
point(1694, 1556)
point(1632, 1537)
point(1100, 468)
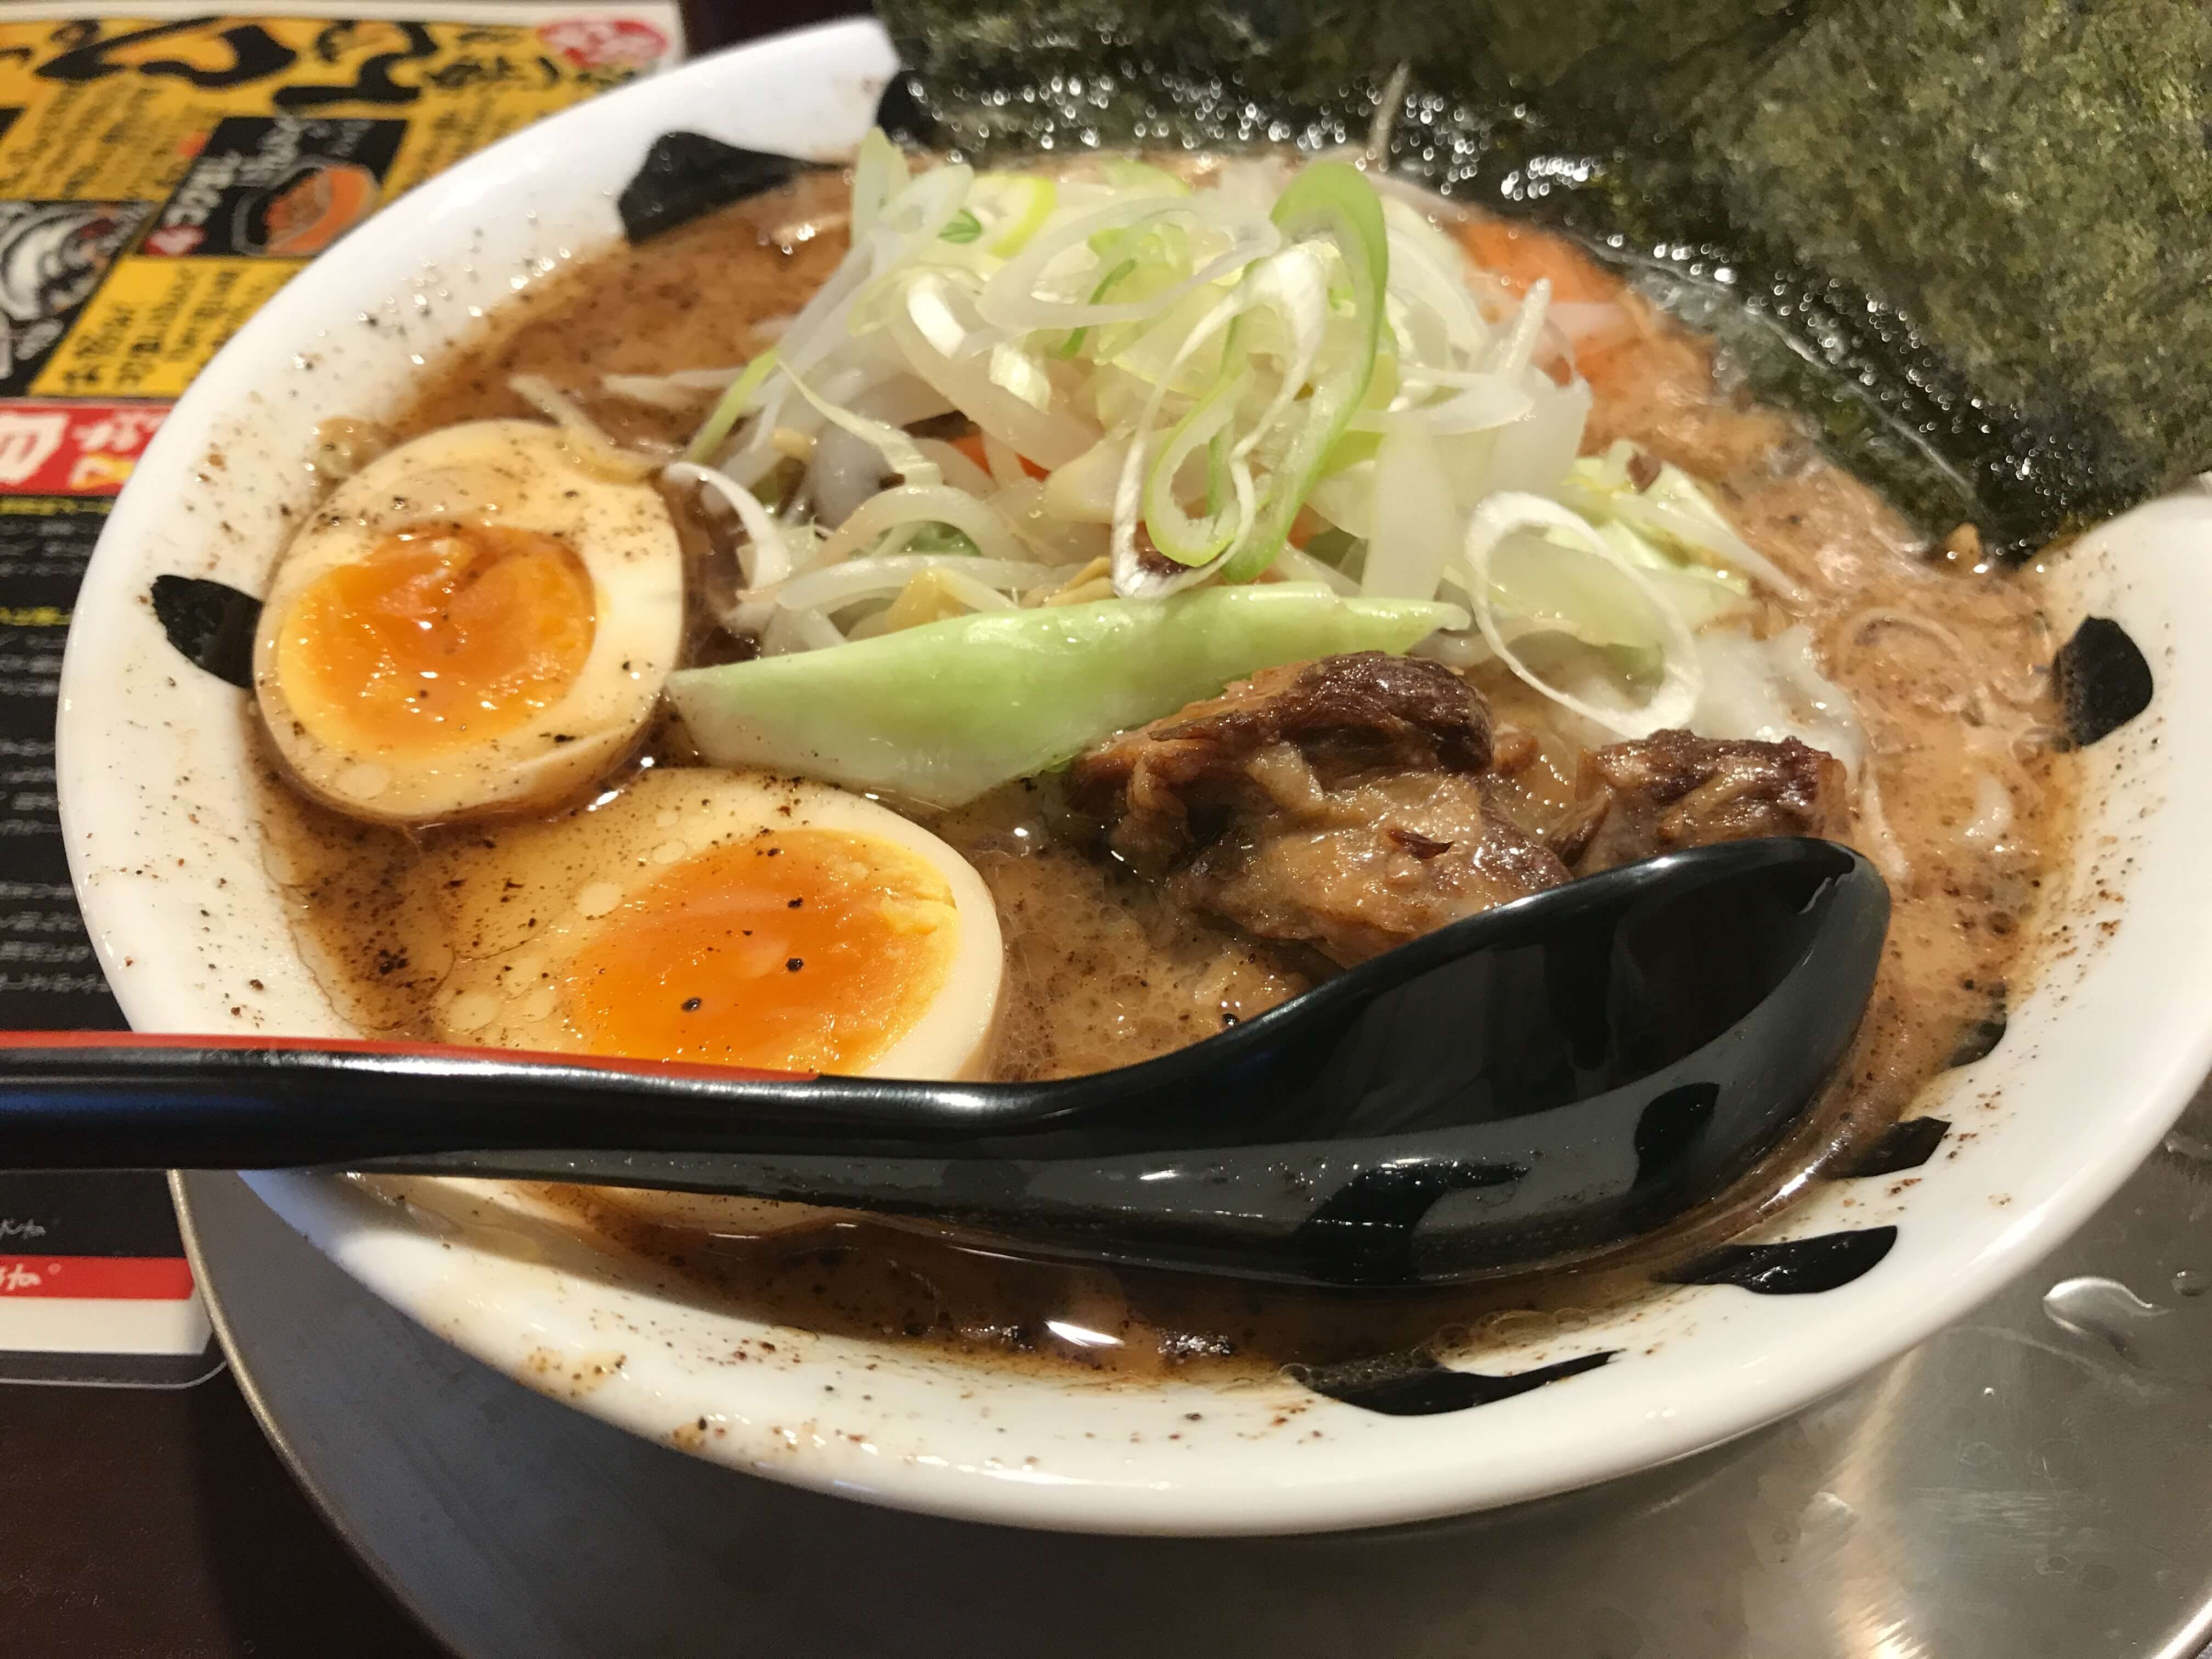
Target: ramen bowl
point(2102, 1047)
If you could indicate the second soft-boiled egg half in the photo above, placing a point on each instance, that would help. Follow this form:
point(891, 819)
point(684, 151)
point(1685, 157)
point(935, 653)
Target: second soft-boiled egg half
point(474, 621)
point(723, 918)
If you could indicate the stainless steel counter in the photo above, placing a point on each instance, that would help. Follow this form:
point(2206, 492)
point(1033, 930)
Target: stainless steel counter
point(2036, 1480)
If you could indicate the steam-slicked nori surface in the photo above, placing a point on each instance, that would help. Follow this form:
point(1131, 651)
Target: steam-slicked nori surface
point(1968, 240)
point(2030, 181)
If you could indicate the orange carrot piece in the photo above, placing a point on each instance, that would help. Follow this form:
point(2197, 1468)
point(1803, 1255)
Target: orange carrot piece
point(972, 447)
point(1517, 255)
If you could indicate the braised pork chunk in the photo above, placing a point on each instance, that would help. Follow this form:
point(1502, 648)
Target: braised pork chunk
point(1342, 804)
point(1349, 803)
point(1672, 790)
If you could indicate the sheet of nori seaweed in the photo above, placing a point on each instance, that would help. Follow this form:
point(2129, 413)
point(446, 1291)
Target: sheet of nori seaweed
point(687, 175)
point(1967, 240)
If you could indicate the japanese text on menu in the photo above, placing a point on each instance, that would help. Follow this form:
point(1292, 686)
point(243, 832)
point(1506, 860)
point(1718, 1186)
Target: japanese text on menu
point(160, 179)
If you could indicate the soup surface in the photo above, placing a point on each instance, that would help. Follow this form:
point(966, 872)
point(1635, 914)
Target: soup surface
point(1962, 800)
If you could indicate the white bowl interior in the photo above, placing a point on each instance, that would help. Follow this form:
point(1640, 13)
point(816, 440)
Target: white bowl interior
point(2099, 1057)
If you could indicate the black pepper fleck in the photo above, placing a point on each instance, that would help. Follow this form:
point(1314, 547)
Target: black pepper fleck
point(795, 964)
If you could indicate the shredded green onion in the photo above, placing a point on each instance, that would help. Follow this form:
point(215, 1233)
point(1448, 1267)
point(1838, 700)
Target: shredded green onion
point(1152, 367)
point(1335, 201)
point(1073, 343)
point(1187, 540)
point(728, 407)
point(1017, 205)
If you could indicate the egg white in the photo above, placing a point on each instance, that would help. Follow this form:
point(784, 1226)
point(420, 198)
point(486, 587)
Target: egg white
point(519, 474)
point(522, 900)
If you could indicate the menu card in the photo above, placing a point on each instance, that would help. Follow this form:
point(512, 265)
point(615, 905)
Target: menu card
point(162, 172)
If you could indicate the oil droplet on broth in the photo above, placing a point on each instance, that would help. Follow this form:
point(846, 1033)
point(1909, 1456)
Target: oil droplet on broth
point(472, 1011)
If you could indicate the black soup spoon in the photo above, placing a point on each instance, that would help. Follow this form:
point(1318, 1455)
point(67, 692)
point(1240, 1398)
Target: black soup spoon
point(1525, 1086)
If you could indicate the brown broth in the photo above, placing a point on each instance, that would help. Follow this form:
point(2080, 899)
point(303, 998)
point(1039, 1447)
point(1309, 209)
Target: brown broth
point(1947, 659)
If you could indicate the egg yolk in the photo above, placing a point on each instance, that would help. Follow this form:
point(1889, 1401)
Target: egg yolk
point(799, 949)
point(440, 637)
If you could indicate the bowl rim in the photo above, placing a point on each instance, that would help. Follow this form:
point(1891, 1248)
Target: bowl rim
point(2156, 1073)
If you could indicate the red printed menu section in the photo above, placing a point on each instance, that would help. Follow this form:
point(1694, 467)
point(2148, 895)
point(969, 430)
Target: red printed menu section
point(102, 1278)
point(72, 448)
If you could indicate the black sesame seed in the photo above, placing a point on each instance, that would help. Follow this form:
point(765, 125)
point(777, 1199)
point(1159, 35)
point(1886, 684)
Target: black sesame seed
point(795, 963)
point(691, 1005)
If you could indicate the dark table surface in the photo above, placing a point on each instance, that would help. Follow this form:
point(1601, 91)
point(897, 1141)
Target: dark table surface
point(136, 1524)
point(142, 1525)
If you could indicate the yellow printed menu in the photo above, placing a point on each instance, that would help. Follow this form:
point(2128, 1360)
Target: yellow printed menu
point(161, 179)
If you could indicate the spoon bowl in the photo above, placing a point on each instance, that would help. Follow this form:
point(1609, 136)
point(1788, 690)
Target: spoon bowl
point(1533, 1084)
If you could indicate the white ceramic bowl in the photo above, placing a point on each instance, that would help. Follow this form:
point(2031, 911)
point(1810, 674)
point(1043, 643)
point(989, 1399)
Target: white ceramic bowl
point(2099, 1057)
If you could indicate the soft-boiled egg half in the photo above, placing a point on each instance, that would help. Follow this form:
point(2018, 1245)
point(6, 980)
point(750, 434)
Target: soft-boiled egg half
point(723, 918)
point(474, 621)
